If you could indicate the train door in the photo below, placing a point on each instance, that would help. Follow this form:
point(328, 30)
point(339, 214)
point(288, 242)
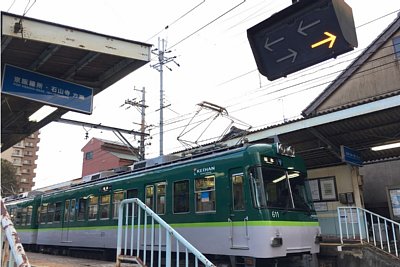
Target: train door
point(238, 219)
point(69, 216)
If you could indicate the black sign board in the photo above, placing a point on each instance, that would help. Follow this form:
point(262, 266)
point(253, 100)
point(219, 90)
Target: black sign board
point(306, 33)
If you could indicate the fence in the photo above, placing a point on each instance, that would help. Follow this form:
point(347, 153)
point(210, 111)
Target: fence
point(11, 243)
point(361, 225)
point(138, 239)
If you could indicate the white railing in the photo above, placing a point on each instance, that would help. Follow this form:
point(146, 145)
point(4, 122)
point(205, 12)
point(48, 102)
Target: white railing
point(11, 243)
point(138, 239)
point(358, 224)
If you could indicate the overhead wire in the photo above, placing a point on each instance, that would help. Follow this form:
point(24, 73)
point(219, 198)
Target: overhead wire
point(184, 117)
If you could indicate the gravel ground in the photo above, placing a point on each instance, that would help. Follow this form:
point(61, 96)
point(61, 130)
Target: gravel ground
point(45, 260)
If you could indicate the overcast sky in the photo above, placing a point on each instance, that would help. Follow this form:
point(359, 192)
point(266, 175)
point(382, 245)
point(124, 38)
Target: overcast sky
point(209, 41)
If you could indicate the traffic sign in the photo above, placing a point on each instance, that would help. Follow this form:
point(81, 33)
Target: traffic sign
point(306, 33)
point(45, 89)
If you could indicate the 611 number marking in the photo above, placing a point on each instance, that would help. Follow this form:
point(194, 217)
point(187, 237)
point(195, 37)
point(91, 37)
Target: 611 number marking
point(275, 214)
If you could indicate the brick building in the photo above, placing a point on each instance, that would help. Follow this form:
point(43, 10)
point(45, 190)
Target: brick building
point(101, 155)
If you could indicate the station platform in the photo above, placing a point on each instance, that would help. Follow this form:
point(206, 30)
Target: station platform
point(46, 260)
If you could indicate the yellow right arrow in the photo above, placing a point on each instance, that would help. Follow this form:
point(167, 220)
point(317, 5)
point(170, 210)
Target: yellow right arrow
point(331, 38)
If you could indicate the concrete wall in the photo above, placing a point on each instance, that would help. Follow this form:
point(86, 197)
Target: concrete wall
point(376, 178)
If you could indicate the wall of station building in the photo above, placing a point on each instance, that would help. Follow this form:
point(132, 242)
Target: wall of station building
point(332, 187)
point(346, 185)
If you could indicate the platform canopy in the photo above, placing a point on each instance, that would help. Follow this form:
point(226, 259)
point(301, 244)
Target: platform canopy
point(68, 54)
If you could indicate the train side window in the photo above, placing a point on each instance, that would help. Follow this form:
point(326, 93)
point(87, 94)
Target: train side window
point(93, 207)
point(23, 216)
point(160, 197)
point(57, 212)
point(205, 194)
point(82, 202)
point(149, 195)
point(132, 193)
point(117, 198)
point(105, 207)
point(18, 217)
point(72, 210)
point(181, 196)
point(50, 212)
point(237, 191)
point(43, 213)
point(29, 215)
point(66, 210)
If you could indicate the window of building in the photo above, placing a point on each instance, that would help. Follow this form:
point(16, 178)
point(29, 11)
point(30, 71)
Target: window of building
point(149, 194)
point(205, 194)
point(93, 207)
point(82, 208)
point(396, 46)
point(160, 197)
point(89, 155)
point(105, 207)
point(181, 196)
point(117, 198)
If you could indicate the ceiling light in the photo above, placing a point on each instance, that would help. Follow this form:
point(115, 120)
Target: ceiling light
point(388, 146)
point(41, 113)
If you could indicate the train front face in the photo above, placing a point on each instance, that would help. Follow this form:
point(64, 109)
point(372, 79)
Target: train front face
point(282, 220)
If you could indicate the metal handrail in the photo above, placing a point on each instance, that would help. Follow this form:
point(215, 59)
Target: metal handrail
point(126, 243)
point(11, 242)
point(368, 221)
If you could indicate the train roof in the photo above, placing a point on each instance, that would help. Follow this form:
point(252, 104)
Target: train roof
point(174, 161)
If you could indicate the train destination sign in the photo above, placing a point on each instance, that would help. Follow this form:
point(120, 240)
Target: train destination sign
point(45, 89)
point(306, 33)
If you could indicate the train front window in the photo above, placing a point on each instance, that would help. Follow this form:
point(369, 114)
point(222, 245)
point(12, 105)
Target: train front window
point(276, 188)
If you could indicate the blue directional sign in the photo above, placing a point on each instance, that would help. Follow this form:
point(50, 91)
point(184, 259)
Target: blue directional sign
point(304, 34)
point(48, 90)
point(351, 156)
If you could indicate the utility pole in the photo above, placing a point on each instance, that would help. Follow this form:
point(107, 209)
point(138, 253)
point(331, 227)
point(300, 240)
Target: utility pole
point(162, 60)
point(142, 105)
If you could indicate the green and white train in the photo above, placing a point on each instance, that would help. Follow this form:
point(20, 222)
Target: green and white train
point(246, 202)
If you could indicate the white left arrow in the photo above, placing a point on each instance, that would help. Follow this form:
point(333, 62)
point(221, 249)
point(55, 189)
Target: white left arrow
point(268, 45)
point(301, 28)
point(293, 55)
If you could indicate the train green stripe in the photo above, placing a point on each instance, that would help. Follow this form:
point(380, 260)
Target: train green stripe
point(190, 225)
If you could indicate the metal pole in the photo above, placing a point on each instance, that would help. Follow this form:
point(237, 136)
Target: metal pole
point(142, 128)
point(161, 61)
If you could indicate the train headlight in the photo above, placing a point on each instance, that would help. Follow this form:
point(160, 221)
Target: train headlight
point(277, 241)
point(285, 150)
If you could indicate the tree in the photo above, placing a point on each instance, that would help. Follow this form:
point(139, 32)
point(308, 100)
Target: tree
point(8, 178)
